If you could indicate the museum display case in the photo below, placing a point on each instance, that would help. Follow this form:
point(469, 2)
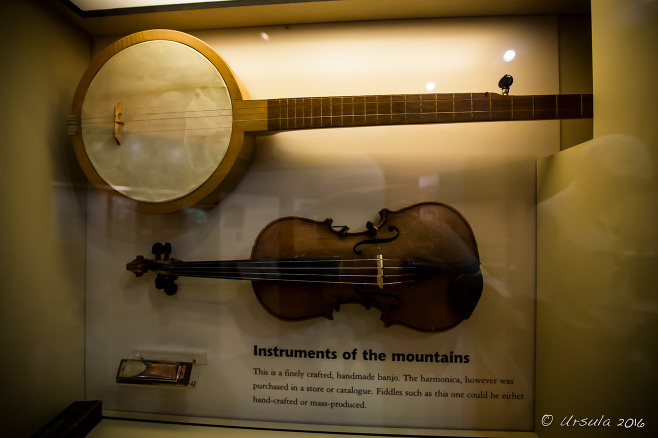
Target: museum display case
point(409, 224)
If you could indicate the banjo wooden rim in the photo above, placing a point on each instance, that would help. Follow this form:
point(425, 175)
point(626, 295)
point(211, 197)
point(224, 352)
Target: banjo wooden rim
point(228, 172)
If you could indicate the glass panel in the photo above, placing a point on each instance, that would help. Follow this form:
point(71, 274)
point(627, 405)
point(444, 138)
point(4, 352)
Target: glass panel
point(351, 370)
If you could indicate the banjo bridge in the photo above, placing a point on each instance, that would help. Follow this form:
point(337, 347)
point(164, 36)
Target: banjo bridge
point(118, 109)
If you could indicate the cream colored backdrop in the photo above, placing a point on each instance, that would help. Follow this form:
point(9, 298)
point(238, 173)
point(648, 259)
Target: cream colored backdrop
point(485, 170)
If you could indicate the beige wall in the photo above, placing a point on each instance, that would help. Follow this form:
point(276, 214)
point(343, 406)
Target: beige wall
point(42, 219)
point(597, 239)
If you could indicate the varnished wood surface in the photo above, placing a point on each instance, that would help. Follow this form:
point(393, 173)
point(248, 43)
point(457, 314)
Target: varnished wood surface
point(430, 231)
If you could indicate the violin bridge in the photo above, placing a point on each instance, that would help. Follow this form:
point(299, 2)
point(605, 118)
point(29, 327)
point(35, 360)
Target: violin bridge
point(380, 271)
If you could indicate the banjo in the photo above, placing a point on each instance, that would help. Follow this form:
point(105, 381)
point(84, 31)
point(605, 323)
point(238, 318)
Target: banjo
point(159, 119)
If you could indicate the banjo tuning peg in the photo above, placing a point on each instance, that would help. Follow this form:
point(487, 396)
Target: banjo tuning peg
point(505, 83)
point(166, 249)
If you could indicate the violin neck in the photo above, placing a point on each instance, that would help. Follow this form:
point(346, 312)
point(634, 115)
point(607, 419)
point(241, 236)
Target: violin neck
point(401, 109)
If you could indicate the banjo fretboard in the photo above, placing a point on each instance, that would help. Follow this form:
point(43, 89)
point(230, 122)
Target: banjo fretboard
point(402, 109)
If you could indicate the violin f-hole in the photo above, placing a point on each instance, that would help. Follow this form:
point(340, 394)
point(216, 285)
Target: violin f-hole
point(391, 228)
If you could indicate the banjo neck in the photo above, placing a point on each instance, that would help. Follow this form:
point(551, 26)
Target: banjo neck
point(403, 109)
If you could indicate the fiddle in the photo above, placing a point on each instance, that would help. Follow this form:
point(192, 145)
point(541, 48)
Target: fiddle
point(419, 266)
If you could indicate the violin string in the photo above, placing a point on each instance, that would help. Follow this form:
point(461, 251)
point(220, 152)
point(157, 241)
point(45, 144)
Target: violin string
point(275, 270)
point(329, 279)
point(238, 272)
point(282, 260)
point(322, 271)
point(255, 278)
point(290, 268)
point(286, 266)
point(283, 269)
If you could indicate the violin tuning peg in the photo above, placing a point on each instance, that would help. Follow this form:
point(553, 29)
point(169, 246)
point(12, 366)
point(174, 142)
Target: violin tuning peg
point(166, 283)
point(166, 250)
point(160, 282)
point(171, 288)
point(157, 250)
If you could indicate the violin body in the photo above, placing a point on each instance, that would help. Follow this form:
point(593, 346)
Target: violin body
point(419, 266)
point(429, 231)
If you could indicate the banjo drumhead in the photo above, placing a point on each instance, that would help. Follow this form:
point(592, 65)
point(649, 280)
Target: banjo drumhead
point(173, 111)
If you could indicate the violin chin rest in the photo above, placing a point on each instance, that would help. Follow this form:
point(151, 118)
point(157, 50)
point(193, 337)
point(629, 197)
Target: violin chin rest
point(465, 293)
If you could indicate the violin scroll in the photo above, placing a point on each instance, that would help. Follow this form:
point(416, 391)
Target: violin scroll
point(164, 280)
point(139, 266)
